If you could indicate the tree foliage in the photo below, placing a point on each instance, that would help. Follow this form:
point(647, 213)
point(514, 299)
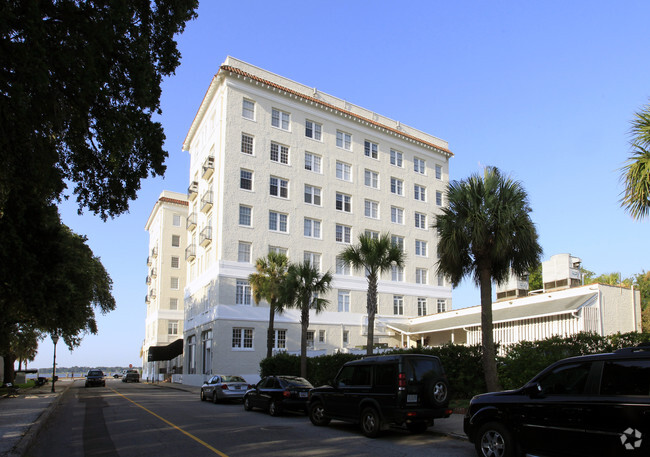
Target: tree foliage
point(485, 233)
point(636, 172)
point(79, 86)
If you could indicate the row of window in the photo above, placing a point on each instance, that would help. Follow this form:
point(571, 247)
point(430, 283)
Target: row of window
point(282, 120)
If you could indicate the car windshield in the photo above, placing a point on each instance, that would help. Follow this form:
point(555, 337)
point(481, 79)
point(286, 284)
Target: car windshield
point(232, 379)
point(95, 373)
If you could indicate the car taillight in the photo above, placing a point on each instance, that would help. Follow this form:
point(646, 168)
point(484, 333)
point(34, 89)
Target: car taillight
point(401, 381)
point(224, 386)
point(286, 393)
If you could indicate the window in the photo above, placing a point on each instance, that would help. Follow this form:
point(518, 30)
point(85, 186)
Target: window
point(343, 233)
point(422, 306)
point(344, 301)
point(174, 283)
point(371, 209)
point(420, 221)
point(176, 220)
point(312, 162)
point(343, 171)
point(172, 328)
point(176, 263)
point(626, 377)
point(310, 339)
point(567, 379)
point(313, 258)
point(396, 186)
point(371, 179)
point(246, 144)
point(420, 248)
point(206, 340)
point(279, 339)
point(244, 252)
point(191, 355)
point(176, 240)
point(343, 140)
point(420, 276)
point(342, 267)
point(313, 130)
point(419, 166)
point(280, 119)
point(396, 273)
point(343, 202)
point(438, 198)
point(438, 172)
point(397, 241)
point(441, 280)
point(278, 250)
point(242, 338)
point(396, 215)
point(279, 187)
point(321, 336)
point(312, 228)
point(279, 153)
point(346, 336)
point(173, 303)
point(245, 215)
point(312, 195)
point(370, 149)
point(246, 179)
point(419, 192)
point(278, 222)
point(398, 305)
point(395, 158)
point(442, 305)
point(243, 293)
point(372, 234)
point(248, 109)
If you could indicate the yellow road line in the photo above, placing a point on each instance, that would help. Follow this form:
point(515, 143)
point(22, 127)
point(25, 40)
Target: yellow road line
point(198, 440)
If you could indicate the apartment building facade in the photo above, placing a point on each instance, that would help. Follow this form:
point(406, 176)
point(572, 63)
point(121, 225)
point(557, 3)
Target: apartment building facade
point(166, 278)
point(278, 166)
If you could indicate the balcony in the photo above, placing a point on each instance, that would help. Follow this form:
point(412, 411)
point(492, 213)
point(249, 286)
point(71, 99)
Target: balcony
point(149, 261)
point(208, 167)
point(190, 252)
point(146, 299)
point(154, 252)
point(148, 280)
point(205, 237)
point(191, 221)
point(152, 294)
point(206, 201)
point(193, 190)
point(153, 272)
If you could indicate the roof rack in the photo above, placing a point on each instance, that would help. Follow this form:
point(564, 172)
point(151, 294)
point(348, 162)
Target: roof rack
point(645, 346)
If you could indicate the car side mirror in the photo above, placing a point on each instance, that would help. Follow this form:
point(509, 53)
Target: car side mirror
point(534, 390)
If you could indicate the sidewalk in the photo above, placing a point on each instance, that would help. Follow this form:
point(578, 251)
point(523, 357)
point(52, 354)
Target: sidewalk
point(21, 417)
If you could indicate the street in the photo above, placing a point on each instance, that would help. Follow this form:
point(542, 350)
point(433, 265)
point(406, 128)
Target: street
point(139, 419)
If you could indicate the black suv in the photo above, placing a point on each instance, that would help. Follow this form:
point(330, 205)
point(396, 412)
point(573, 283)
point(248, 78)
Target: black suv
point(379, 391)
point(582, 406)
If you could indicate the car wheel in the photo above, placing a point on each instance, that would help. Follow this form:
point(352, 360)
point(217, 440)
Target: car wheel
point(370, 422)
point(247, 404)
point(440, 393)
point(317, 414)
point(417, 427)
point(215, 399)
point(494, 440)
point(202, 395)
point(274, 408)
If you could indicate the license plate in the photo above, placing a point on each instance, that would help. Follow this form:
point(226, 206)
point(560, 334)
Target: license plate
point(303, 394)
point(411, 399)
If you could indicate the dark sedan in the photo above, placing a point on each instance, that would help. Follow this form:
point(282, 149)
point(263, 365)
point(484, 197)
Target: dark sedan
point(276, 394)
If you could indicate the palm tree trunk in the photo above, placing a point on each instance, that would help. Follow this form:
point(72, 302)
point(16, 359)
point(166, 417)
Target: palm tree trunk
point(489, 355)
point(270, 333)
point(371, 307)
point(304, 320)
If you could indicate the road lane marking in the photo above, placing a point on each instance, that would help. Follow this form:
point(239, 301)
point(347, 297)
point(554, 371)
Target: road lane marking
point(198, 440)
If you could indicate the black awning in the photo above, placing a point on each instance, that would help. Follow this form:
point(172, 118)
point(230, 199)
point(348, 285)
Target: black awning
point(159, 353)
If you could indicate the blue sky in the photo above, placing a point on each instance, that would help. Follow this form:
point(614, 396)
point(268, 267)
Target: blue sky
point(545, 91)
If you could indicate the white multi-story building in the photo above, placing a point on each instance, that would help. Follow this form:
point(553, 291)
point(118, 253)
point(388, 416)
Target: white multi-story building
point(165, 285)
point(276, 165)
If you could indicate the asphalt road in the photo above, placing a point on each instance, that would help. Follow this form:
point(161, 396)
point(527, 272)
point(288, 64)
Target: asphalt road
point(143, 420)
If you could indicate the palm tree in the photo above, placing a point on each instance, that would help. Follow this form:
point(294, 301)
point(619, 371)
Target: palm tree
point(266, 284)
point(486, 232)
point(374, 256)
point(303, 289)
point(636, 173)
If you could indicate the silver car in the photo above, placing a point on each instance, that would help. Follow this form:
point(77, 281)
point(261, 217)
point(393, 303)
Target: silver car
point(224, 387)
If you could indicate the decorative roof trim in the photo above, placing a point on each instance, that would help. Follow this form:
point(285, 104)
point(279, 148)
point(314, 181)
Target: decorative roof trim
point(173, 200)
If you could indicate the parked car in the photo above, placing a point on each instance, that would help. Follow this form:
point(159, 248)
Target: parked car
point(224, 387)
point(131, 376)
point(117, 375)
point(581, 406)
point(95, 378)
point(378, 391)
point(276, 394)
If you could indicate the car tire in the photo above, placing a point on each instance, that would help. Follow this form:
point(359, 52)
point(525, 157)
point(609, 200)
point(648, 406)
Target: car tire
point(437, 393)
point(370, 422)
point(247, 404)
point(417, 427)
point(215, 399)
point(274, 408)
point(317, 414)
point(495, 440)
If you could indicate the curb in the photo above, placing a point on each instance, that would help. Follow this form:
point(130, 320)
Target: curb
point(25, 442)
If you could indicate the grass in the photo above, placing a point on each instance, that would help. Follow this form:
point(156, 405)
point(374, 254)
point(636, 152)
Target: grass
point(459, 404)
